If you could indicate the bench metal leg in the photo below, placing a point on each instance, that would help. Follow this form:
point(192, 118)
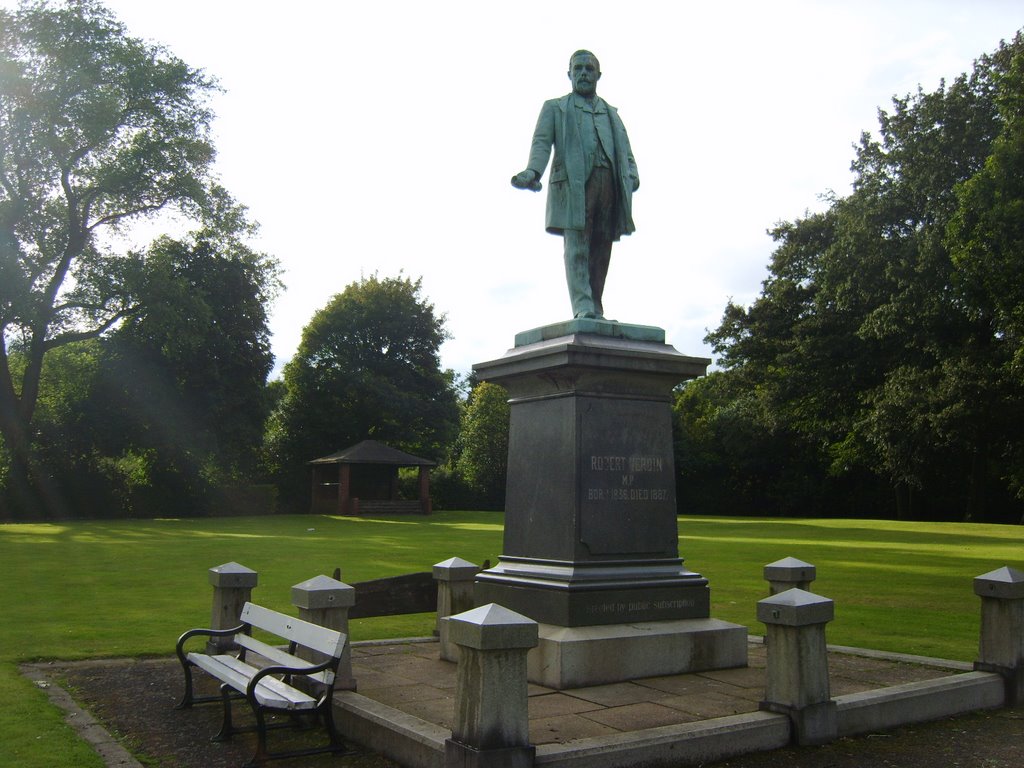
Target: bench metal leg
point(186, 699)
point(226, 727)
point(189, 698)
point(336, 743)
point(263, 755)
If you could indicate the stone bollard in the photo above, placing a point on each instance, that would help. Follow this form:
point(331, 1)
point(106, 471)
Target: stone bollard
point(232, 589)
point(325, 601)
point(797, 674)
point(454, 579)
point(788, 573)
point(1001, 646)
point(491, 728)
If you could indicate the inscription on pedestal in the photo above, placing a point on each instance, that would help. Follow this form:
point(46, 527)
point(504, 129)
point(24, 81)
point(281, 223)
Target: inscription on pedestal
point(639, 606)
point(628, 480)
point(627, 493)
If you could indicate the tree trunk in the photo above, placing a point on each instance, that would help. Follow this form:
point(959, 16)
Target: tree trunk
point(17, 501)
point(904, 501)
point(977, 501)
point(26, 494)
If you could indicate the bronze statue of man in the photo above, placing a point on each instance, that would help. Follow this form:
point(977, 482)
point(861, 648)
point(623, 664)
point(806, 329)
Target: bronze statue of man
point(592, 181)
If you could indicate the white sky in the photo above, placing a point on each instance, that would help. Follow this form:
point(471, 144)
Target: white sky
point(380, 136)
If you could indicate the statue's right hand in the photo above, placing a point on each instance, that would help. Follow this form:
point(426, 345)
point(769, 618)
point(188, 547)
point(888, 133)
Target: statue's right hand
point(526, 180)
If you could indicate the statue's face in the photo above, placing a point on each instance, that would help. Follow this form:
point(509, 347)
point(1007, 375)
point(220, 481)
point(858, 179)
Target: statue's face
point(584, 73)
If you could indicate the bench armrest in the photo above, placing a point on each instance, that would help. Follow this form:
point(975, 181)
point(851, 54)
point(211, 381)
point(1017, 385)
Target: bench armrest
point(179, 646)
point(281, 669)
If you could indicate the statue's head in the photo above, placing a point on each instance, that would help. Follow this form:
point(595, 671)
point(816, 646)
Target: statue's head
point(584, 72)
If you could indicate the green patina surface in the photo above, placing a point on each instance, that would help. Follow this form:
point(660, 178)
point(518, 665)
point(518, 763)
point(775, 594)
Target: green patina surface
point(610, 328)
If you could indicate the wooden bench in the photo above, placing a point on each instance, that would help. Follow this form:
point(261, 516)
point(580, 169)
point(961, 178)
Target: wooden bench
point(267, 681)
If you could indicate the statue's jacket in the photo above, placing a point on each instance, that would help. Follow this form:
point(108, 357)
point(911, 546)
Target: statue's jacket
point(566, 204)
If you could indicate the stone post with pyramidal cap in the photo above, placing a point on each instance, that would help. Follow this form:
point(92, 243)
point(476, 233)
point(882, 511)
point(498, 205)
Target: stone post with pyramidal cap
point(454, 578)
point(232, 588)
point(788, 573)
point(326, 601)
point(491, 728)
point(1001, 647)
point(796, 682)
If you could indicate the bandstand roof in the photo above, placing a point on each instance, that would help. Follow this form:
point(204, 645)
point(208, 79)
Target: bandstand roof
point(374, 452)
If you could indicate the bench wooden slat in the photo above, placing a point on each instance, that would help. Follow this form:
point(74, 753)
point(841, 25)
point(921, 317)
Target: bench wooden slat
point(270, 692)
point(277, 656)
point(304, 633)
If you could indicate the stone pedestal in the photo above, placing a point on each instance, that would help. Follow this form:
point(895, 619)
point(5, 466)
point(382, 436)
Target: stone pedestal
point(797, 674)
point(325, 601)
point(232, 589)
point(1001, 646)
point(591, 537)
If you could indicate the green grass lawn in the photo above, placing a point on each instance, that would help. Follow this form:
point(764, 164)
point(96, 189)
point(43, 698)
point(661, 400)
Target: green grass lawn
point(129, 588)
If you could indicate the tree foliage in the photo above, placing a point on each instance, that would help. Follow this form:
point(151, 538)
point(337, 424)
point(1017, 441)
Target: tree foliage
point(367, 366)
point(98, 130)
point(203, 344)
point(880, 345)
point(184, 379)
point(483, 445)
point(153, 417)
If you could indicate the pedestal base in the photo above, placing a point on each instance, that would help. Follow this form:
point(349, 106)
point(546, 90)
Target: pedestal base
point(576, 657)
point(584, 594)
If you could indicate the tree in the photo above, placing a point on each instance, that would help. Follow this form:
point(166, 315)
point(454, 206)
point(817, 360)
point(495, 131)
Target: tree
point(866, 346)
point(986, 242)
point(98, 130)
point(483, 444)
point(183, 380)
point(202, 339)
point(157, 415)
point(932, 421)
point(65, 466)
point(367, 366)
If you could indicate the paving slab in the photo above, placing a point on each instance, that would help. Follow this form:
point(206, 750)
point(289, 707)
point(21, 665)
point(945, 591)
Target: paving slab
point(561, 729)
point(396, 695)
point(635, 717)
point(615, 694)
point(869, 672)
point(437, 711)
point(560, 704)
point(710, 704)
point(751, 677)
point(683, 685)
point(532, 689)
point(841, 686)
point(429, 671)
point(369, 678)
